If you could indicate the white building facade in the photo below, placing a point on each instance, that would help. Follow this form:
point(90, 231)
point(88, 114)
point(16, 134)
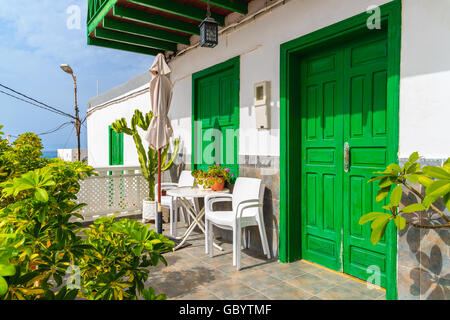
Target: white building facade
point(259, 48)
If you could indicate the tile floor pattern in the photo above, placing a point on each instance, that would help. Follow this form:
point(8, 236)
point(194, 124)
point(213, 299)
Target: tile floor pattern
point(193, 275)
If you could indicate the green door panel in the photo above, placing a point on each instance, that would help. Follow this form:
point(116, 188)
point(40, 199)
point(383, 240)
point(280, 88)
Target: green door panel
point(115, 147)
point(343, 99)
point(322, 133)
point(216, 106)
point(366, 131)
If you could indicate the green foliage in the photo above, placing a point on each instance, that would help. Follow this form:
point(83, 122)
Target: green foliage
point(148, 159)
point(23, 155)
point(215, 173)
point(121, 252)
point(39, 215)
point(435, 180)
point(40, 241)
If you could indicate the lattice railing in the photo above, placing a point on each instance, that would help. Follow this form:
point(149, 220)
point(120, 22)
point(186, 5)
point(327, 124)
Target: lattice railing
point(116, 190)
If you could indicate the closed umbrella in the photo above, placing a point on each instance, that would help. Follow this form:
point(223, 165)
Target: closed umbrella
point(160, 129)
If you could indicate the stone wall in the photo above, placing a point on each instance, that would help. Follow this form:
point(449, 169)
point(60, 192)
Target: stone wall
point(423, 254)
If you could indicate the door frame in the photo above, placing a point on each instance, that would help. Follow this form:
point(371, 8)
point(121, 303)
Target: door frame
point(290, 127)
point(234, 63)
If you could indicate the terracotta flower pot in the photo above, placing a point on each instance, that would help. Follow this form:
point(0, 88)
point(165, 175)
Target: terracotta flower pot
point(218, 186)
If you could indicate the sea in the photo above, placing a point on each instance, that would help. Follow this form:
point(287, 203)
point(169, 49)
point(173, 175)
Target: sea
point(51, 154)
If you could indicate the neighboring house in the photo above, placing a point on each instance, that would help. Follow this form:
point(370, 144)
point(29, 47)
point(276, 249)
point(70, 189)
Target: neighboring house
point(72, 154)
point(330, 82)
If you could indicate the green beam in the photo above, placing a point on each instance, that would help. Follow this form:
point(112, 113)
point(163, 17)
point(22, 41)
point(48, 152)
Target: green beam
point(134, 40)
point(92, 24)
point(179, 9)
point(109, 23)
point(121, 46)
point(233, 5)
point(139, 16)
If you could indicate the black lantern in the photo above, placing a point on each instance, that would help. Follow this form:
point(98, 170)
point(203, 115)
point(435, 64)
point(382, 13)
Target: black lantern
point(209, 31)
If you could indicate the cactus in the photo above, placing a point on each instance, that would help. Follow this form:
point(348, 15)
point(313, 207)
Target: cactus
point(148, 160)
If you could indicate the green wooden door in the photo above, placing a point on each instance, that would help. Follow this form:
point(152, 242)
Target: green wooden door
point(344, 90)
point(216, 109)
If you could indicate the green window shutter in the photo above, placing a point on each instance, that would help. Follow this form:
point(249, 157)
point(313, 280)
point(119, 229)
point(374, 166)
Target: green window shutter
point(115, 148)
point(216, 105)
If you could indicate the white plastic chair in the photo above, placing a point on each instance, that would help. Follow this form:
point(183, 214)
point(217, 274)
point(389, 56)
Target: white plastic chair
point(185, 180)
point(247, 203)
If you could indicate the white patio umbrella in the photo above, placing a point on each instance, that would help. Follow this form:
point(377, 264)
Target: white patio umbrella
point(160, 129)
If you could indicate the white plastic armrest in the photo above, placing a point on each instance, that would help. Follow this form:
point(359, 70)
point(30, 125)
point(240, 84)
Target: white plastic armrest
point(253, 203)
point(218, 197)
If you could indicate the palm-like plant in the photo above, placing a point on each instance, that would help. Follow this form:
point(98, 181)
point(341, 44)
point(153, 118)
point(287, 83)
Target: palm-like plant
point(147, 159)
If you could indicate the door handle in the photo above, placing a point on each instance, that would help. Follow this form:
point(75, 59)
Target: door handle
point(346, 156)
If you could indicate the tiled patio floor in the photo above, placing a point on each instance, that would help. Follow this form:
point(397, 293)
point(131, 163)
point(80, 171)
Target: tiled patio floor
point(191, 274)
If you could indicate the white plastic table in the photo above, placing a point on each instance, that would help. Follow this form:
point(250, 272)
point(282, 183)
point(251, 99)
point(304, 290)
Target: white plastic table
point(183, 194)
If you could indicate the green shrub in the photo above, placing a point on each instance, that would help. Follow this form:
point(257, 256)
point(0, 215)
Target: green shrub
point(23, 155)
point(41, 240)
point(44, 241)
point(121, 252)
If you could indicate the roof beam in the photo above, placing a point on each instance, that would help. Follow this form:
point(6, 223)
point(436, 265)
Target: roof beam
point(121, 46)
point(233, 5)
point(139, 16)
point(179, 9)
point(116, 25)
point(134, 40)
point(92, 24)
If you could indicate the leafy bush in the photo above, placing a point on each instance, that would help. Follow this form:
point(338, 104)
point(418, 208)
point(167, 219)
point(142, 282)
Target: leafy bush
point(121, 252)
point(112, 255)
point(435, 180)
point(41, 242)
point(23, 155)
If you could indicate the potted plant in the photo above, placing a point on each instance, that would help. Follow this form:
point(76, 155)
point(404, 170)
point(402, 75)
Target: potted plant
point(148, 159)
point(214, 178)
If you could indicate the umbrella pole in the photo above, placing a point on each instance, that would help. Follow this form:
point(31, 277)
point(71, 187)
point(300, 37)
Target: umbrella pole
point(159, 217)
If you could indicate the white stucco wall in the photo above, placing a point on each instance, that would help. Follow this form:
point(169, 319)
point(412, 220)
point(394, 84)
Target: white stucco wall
point(425, 79)
point(425, 75)
point(98, 130)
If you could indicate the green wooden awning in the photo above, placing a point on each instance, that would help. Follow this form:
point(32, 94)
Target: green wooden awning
point(152, 26)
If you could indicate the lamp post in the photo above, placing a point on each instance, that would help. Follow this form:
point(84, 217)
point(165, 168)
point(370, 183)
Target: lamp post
point(67, 69)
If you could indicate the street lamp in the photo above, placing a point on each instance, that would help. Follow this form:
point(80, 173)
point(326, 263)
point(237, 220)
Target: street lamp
point(67, 69)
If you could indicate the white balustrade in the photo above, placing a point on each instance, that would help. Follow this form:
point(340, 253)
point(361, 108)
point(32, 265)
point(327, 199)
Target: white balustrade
point(116, 190)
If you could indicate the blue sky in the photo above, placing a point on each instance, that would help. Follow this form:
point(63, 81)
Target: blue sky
point(34, 41)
